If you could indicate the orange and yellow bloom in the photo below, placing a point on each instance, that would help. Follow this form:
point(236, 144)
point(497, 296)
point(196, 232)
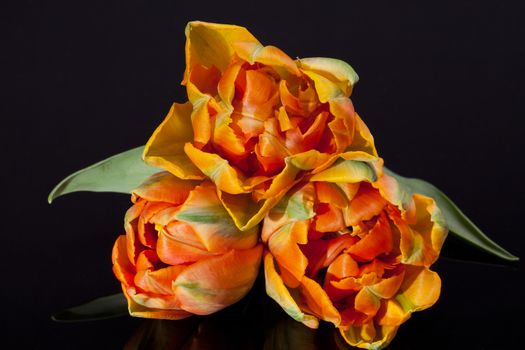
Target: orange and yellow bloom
point(354, 253)
point(267, 138)
point(256, 121)
point(182, 254)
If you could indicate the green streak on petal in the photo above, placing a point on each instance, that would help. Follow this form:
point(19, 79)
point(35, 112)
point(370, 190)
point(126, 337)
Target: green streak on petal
point(350, 171)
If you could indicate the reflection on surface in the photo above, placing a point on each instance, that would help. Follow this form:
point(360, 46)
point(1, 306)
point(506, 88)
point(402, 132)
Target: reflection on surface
point(214, 332)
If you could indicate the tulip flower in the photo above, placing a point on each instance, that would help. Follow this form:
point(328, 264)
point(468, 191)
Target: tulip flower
point(182, 254)
point(256, 121)
point(354, 253)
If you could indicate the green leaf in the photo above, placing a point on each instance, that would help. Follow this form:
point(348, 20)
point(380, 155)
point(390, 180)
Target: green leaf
point(458, 223)
point(99, 309)
point(119, 173)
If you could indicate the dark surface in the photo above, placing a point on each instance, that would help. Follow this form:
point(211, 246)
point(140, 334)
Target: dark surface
point(442, 90)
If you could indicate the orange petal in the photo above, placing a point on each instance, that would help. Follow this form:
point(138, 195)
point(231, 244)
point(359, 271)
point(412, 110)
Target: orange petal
point(164, 187)
point(122, 267)
point(319, 302)
point(366, 204)
point(420, 289)
point(377, 241)
point(276, 289)
point(283, 245)
point(367, 302)
point(214, 283)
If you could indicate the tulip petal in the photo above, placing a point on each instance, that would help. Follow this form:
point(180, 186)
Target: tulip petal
point(225, 177)
point(366, 204)
point(164, 187)
point(388, 287)
point(326, 89)
point(377, 241)
point(212, 284)
point(420, 289)
point(343, 125)
point(336, 71)
point(350, 171)
point(276, 290)
point(391, 313)
point(367, 302)
point(363, 139)
point(122, 267)
point(203, 211)
point(319, 302)
point(421, 242)
point(165, 148)
point(368, 337)
point(172, 250)
point(253, 52)
point(245, 212)
point(283, 245)
point(138, 310)
point(210, 44)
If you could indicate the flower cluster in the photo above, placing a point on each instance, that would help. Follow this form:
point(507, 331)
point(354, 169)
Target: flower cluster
point(269, 153)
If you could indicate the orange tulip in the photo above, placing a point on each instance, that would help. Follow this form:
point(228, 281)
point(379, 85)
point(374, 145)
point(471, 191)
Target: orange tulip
point(356, 254)
point(182, 254)
point(257, 121)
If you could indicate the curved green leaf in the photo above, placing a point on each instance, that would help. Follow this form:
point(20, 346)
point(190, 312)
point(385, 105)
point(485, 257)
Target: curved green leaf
point(101, 308)
point(119, 173)
point(458, 223)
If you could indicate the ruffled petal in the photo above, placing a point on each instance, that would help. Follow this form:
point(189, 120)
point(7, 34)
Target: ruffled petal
point(283, 245)
point(276, 290)
point(165, 148)
point(421, 242)
point(366, 204)
point(225, 177)
point(338, 72)
point(420, 289)
point(253, 52)
point(319, 302)
point(369, 336)
point(211, 44)
point(164, 187)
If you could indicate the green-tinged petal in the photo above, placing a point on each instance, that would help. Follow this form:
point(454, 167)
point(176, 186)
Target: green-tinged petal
point(294, 165)
point(245, 212)
point(253, 52)
point(334, 70)
point(225, 177)
point(164, 187)
point(204, 212)
point(119, 173)
point(419, 290)
point(165, 148)
point(350, 171)
point(284, 246)
point(458, 223)
point(98, 309)
point(396, 194)
point(276, 290)
point(212, 284)
point(210, 44)
point(369, 336)
point(138, 310)
point(326, 89)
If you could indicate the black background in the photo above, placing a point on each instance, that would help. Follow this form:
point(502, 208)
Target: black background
point(441, 88)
